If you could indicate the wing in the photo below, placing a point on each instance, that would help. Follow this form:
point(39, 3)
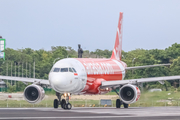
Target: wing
point(147, 66)
point(136, 81)
point(22, 79)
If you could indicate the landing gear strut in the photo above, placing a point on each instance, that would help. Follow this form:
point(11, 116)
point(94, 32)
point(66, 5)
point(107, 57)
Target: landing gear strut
point(64, 102)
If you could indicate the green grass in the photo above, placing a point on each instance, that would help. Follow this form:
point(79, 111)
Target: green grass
point(147, 99)
point(111, 93)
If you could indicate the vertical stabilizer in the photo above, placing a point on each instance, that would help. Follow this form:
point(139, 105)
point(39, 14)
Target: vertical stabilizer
point(116, 53)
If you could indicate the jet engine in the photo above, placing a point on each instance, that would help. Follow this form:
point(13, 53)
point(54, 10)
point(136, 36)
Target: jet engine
point(129, 93)
point(34, 93)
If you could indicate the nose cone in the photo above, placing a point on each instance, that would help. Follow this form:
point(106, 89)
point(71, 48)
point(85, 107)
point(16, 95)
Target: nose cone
point(58, 82)
point(61, 82)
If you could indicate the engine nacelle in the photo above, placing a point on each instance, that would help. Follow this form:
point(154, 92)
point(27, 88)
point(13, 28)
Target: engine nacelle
point(129, 93)
point(34, 93)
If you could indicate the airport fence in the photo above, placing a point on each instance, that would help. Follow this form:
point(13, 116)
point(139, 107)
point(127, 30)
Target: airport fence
point(86, 103)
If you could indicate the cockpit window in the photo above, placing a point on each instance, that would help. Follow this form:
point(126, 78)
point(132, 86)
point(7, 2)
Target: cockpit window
point(70, 70)
point(64, 69)
point(56, 69)
point(74, 70)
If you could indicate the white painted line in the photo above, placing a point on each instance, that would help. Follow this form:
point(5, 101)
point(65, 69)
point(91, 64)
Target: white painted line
point(78, 117)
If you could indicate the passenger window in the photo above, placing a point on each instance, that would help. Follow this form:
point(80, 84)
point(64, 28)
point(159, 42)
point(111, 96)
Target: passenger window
point(70, 70)
point(64, 69)
point(56, 69)
point(74, 70)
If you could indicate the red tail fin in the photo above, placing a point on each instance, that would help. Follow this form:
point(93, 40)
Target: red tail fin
point(116, 53)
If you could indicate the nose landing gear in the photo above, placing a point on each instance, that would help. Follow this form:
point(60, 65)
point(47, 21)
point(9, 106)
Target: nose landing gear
point(64, 102)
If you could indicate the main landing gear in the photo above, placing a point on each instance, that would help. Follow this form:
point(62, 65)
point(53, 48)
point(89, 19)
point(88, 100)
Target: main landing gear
point(119, 103)
point(64, 102)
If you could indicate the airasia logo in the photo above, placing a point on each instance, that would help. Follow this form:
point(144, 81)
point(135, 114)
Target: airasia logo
point(98, 68)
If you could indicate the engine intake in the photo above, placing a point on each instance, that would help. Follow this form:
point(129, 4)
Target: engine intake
point(129, 93)
point(34, 94)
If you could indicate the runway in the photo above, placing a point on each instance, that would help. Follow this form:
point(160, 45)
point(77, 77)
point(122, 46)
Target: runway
point(148, 113)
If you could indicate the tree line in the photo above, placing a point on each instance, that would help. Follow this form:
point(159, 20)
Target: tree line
point(20, 63)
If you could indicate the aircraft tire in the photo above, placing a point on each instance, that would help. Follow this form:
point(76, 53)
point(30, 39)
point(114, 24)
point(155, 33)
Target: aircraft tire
point(118, 103)
point(63, 103)
point(68, 106)
point(56, 104)
point(125, 105)
point(65, 106)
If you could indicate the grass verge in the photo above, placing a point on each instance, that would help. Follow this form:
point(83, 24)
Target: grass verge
point(147, 99)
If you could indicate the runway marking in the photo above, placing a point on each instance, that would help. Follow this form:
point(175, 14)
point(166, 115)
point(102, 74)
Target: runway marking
point(116, 114)
point(80, 117)
point(77, 117)
point(147, 113)
point(101, 113)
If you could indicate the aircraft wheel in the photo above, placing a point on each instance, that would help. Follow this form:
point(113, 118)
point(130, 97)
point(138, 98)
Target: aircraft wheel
point(68, 106)
point(125, 105)
point(56, 103)
point(63, 103)
point(65, 106)
point(118, 103)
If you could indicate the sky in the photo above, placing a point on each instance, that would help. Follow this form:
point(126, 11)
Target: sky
point(40, 24)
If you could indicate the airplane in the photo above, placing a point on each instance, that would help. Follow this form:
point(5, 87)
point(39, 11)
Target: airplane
point(89, 76)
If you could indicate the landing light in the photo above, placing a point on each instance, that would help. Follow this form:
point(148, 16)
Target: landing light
point(107, 88)
point(66, 94)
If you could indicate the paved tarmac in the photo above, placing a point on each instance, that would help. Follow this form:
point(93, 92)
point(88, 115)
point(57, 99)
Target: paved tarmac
point(148, 113)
